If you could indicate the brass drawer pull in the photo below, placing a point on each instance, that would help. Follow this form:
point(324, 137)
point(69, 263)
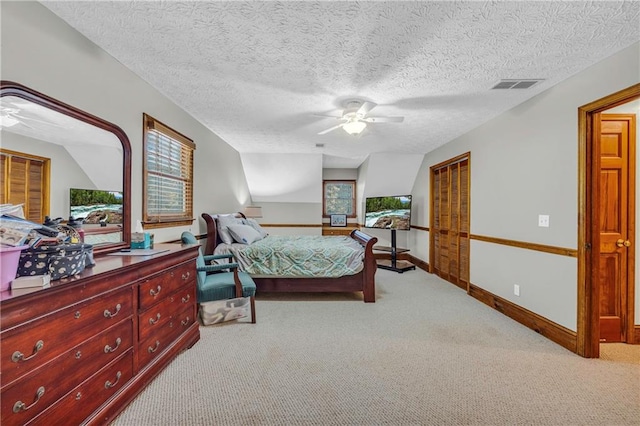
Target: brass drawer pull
point(19, 356)
point(108, 349)
point(108, 314)
point(109, 385)
point(186, 276)
point(78, 396)
point(78, 355)
point(21, 406)
point(151, 349)
point(77, 315)
point(154, 293)
point(153, 321)
point(185, 300)
point(185, 321)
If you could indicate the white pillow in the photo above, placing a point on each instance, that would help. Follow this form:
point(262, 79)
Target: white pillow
point(223, 224)
point(255, 225)
point(244, 234)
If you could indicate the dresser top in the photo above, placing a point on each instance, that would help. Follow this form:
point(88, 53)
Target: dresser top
point(105, 265)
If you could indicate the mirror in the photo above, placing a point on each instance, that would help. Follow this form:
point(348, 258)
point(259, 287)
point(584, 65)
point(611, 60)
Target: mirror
point(85, 155)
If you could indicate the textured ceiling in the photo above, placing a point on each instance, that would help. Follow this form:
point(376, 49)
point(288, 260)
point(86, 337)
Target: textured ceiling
point(255, 72)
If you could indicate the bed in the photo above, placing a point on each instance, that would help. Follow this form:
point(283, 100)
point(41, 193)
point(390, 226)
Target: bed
point(349, 279)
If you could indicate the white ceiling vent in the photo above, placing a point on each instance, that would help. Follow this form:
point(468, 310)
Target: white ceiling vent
point(517, 84)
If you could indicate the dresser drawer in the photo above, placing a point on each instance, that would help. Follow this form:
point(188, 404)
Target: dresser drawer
point(26, 348)
point(65, 372)
point(78, 404)
point(154, 318)
point(167, 332)
point(159, 286)
point(337, 231)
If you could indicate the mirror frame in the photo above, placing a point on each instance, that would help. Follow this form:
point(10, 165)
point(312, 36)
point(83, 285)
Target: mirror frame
point(9, 88)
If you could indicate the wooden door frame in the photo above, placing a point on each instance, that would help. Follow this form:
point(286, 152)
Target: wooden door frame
point(588, 321)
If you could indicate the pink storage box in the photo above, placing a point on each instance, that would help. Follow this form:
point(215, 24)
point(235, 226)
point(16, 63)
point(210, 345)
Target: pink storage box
point(9, 257)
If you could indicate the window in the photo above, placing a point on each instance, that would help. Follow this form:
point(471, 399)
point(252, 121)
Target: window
point(168, 176)
point(339, 197)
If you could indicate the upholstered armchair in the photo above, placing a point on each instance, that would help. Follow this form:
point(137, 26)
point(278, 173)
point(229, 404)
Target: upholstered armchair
point(221, 281)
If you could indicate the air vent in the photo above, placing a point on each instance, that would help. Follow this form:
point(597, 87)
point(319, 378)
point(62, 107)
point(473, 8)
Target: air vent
point(517, 84)
point(319, 145)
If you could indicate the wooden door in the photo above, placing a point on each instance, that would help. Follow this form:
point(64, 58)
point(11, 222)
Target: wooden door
point(616, 136)
point(25, 180)
point(449, 227)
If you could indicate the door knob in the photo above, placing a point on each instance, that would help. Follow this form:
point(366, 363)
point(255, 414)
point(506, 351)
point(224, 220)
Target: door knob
point(623, 243)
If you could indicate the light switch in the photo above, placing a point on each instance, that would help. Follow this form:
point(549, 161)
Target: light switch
point(543, 220)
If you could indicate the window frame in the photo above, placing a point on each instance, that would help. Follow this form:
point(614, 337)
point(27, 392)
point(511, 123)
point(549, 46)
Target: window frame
point(353, 185)
point(187, 147)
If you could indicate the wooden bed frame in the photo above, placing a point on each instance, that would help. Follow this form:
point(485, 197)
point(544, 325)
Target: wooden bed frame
point(363, 281)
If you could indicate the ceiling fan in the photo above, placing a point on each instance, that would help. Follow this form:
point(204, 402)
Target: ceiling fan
point(354, 117)
point(12, 115)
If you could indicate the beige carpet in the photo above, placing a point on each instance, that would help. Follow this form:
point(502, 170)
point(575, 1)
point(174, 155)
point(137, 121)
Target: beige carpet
point(620, 352)
point(424, 354)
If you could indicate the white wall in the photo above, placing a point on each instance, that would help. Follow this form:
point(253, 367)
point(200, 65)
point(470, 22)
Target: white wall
point(524, 163)
point(386, 174)
point(391, 173)
point(42, 52)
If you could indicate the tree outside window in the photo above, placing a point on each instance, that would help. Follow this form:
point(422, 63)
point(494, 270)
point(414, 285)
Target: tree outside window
point(339, 197)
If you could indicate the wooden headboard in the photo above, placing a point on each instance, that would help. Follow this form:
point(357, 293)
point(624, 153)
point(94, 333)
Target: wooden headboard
point(213, 237)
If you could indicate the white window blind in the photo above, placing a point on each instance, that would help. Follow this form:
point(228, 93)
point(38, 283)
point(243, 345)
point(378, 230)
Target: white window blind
point(168, 174)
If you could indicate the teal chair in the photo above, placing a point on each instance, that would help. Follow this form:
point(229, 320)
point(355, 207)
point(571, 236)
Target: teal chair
point(221, 281)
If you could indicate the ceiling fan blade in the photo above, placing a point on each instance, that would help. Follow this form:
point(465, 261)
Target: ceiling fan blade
point(330, 129)
point(365, 108)
point(327, 115)
point(383, 119)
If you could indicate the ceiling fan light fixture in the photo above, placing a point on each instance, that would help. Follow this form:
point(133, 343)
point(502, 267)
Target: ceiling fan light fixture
point(354, 127)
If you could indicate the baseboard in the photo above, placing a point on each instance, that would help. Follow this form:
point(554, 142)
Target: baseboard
point(418, 262)
point(549, 329)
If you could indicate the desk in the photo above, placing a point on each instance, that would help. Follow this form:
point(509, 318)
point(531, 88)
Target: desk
point(394, 264)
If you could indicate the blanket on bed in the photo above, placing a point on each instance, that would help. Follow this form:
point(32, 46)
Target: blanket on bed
point(298, 256)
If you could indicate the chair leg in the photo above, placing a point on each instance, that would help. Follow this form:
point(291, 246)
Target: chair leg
point(252, 300)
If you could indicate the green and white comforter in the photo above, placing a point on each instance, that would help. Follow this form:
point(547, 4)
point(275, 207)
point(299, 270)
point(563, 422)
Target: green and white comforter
point(298, 256)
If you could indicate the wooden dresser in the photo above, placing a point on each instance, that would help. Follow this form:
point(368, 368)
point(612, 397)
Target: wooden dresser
point(338, 230)
point(82, 350)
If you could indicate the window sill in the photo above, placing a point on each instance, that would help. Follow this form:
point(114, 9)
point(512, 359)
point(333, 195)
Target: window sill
point(167, 223)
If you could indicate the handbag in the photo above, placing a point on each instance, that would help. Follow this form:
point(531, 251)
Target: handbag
point(59, 261)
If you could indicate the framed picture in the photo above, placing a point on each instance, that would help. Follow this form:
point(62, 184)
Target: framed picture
point(338, 220)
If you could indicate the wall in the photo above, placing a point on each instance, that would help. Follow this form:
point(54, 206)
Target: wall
point(388, 173)
point(42, 52)
point(524, 163)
